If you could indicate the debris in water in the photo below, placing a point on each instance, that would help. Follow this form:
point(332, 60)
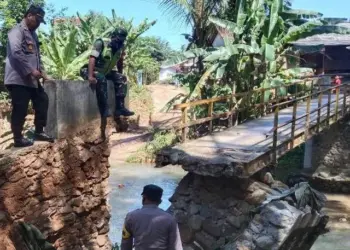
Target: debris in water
point(343, 220)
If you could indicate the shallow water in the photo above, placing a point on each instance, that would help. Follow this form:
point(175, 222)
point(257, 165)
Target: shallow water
point(135, 176)
point(128, 198)
point(334, 240)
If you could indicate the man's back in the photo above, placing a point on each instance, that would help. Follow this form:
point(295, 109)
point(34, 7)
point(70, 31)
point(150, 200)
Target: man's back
point(151, 228)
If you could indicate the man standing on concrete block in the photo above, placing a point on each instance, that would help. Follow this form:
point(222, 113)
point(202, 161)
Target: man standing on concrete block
point(151, 227)
point(100, 69)
point(23, 72)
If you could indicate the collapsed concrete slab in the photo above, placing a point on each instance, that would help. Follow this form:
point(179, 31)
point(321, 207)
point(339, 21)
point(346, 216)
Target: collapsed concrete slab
point(221, 213)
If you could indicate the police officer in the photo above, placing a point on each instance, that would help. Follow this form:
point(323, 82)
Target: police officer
point(150, 227)
point(23, 71)
point(100, 69)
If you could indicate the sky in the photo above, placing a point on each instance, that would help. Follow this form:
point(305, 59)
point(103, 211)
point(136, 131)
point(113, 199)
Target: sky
point(168, 28)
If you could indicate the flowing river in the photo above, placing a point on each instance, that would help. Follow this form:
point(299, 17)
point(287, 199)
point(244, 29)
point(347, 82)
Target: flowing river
point(126, 184)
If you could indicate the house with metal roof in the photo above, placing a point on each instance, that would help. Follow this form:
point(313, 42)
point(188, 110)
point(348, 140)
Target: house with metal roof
point(326, 53)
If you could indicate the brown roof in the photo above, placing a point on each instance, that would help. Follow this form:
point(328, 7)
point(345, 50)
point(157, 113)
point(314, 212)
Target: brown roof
point(330, 39)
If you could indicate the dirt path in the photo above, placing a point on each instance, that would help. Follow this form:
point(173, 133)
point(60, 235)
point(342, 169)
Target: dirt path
point(125, 144)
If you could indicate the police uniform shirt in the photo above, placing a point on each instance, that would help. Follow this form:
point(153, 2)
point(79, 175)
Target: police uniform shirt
point(23, 56)
point(150, 228)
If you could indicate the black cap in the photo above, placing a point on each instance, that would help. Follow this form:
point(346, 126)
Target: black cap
point(38, 11)
point(120, 33)
point(153, 193)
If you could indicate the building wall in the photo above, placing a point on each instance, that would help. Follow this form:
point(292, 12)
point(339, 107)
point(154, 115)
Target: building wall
point(166, 73)
point(218, 41)
point(339, 60)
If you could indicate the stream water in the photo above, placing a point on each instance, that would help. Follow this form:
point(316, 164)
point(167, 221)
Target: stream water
point(128, 197)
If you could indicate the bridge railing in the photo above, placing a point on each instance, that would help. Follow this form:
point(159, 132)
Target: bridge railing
point(335, 108)
point(265, 105)
point(309, 120)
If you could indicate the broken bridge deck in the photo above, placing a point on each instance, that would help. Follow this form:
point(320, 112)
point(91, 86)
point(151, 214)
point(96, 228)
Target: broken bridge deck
point(245, 149)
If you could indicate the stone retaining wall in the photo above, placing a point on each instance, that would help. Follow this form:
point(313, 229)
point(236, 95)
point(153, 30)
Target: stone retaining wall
point(60, 188)
point(218, 213)
point(331, 158)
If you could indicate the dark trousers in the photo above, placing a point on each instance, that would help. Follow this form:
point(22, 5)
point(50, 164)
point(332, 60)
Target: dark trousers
point(102, 97)
point(21, 96)
point(102, 93)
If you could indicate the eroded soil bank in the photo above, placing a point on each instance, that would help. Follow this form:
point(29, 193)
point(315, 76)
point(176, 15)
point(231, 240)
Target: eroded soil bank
point(61, 188)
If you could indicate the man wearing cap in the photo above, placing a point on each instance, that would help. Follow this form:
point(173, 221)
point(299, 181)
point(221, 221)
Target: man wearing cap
point(100, 69)
point(23, 71)
point(150, 227)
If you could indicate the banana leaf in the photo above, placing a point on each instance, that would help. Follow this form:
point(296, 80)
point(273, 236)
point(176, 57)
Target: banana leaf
point(202, 81)
point(228, 25)
point(270, 52)
point(221, 71)
point(296, 72)
point(274, 16)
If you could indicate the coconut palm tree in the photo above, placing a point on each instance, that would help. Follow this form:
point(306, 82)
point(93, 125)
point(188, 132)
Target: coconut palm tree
point(196, 13)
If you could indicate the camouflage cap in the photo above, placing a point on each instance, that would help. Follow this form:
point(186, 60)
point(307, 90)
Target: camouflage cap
point(120, 33)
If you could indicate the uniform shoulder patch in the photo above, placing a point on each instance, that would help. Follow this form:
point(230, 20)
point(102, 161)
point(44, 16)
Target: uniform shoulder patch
point(126, 235)
point(98, 45)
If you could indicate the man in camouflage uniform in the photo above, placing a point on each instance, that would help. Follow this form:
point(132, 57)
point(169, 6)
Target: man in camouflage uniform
point(101, 69)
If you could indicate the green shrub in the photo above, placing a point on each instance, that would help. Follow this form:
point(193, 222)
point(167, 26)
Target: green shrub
point(4, 96)
point(161, 140)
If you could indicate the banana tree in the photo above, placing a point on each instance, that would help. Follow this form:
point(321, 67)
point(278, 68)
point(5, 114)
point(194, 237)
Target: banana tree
point(256, 39)
point(60, 56)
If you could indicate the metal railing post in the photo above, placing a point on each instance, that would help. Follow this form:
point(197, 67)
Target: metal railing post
point(275, 136)
point(345, 90)
point(307, 120)
point(329, 106)
point(210, 114)
point(184, 123)
point(319, 111)
point(294, 117)
point(336, 103)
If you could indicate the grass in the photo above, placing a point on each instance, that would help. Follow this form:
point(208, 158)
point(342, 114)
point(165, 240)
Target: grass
point(147, 153)
point(290, 163)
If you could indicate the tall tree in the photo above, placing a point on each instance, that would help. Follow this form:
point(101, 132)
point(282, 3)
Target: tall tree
point(196, 13)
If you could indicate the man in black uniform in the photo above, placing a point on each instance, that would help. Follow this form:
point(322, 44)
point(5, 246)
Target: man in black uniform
point(23, 71)
point(101, 69)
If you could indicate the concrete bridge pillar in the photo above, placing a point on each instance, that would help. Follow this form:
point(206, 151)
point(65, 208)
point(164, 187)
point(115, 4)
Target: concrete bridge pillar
point(308, 154)
point(330, 158)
